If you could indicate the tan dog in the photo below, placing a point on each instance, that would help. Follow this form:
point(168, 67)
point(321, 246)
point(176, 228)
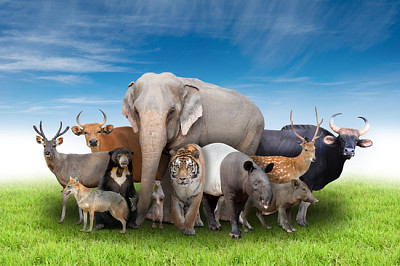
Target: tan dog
point(91, 200)
point(187, 171)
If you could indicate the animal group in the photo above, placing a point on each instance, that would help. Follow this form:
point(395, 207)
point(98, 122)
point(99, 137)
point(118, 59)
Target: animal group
point(196, 143)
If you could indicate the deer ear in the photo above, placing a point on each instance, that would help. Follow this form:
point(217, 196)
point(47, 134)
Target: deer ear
point(77, 130)
point(330, 140)
point(108, 129)
point(39, 140)
point(59, 141)
point(192, 108)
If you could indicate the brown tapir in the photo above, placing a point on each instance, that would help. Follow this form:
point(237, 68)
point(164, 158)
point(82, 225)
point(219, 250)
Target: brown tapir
point(241, 179)
point(285, 196)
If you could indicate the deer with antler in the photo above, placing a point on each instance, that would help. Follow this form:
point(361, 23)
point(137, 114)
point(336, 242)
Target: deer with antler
point(89, 167)
point(287, 168)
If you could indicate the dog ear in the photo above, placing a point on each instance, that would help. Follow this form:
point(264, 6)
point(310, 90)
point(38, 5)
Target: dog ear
point(76, 180)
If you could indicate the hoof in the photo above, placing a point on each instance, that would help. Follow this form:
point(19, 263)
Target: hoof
point(122, 232)
point(60, 221)
point(82, 230)
point(99, 227)
point(268, 227)
point(235, 235)
point(88, 231)
point(154, 226)
point(79, 222)
point(160, 226)
point(188, 231)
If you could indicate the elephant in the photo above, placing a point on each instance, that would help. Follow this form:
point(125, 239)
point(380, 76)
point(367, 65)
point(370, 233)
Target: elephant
point(169, 112)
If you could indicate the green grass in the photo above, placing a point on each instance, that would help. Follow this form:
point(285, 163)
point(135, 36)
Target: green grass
point(354, 222)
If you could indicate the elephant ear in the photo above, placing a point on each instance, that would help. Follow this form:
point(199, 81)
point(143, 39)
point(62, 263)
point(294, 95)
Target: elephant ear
point(192, 108)
point(127, 107)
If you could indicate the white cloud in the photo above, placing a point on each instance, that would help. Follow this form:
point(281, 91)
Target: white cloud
point(85, 100)
point(68, 79)
point(21, 62)
point(44, 108)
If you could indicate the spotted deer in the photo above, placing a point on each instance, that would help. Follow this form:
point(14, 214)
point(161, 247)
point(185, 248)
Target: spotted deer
point(287, 168)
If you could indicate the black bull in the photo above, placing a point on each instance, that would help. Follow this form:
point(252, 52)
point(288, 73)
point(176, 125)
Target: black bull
point(330, 158)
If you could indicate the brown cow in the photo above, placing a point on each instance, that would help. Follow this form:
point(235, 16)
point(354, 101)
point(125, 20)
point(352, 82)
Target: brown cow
point(108, 138)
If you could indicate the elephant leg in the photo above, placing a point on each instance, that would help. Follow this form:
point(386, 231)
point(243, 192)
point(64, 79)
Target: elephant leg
point(251, 141)
point(301, 214)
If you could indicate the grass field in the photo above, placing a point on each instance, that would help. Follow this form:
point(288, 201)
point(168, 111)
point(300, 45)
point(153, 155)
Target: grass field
point(354, 222)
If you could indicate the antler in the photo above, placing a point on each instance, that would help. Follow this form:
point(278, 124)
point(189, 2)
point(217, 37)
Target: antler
point(291, 123)
point(104, 120)
point(41, 133)
point(318, 125)
point(366, 127)
point(58, 134)
point(77, 119)
point(332, 124)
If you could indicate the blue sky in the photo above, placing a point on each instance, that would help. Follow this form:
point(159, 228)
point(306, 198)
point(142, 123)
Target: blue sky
point(59, 57)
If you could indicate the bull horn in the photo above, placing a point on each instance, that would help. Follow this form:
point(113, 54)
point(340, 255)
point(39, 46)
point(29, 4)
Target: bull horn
point(77, 119)
point(366, 127)
point(104, 120)
point(291, 123)
point(332, 124)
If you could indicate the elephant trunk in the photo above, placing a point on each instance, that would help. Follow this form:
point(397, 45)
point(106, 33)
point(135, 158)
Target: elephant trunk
point(153, 138)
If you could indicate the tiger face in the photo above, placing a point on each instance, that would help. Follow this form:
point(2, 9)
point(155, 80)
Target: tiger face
point(184, 166)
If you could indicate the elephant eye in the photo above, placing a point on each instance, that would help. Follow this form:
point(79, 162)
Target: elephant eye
point(171, 112)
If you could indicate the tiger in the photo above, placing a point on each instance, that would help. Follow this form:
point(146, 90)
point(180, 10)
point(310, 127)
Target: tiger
point(187, 171)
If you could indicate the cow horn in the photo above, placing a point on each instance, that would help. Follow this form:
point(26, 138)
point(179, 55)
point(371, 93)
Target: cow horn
point(366, 127)
point(77, 119)
point(104, 120)
point(332, 124)
point(291, 123)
